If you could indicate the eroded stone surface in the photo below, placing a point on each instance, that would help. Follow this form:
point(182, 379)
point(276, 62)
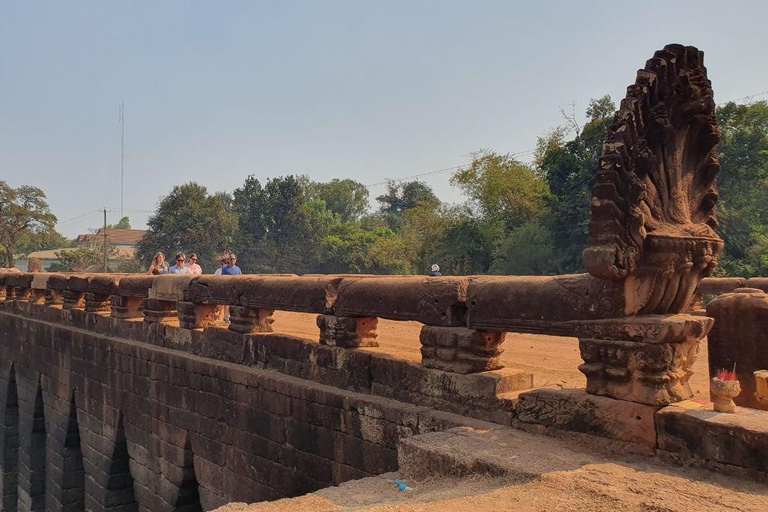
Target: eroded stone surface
point(461, 350)
point(340, 331)
point(703, 437)
point(577, 411)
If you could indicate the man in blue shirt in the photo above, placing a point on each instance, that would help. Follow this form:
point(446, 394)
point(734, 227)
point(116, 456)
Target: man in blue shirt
point(231, 269)
point(179, 267)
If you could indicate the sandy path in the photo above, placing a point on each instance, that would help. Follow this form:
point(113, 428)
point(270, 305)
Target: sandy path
point(553, 360)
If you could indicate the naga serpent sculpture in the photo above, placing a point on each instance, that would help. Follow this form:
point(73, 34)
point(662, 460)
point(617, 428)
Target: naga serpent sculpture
point(653, 206)
point(652, 230)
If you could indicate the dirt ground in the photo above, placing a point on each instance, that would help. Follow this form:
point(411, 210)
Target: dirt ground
point(553, 360)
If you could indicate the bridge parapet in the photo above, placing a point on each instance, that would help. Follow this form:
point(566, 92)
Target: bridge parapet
point(465, 319)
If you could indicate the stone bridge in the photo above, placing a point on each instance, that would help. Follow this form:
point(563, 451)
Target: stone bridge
point(130, 392)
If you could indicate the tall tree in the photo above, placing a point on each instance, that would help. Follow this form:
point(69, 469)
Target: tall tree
point(569, 168)
point(502, 189)
point(743, 188)
point(190, 220)
point(124, 223)
point(401, 197)
point(23, 211)
point(281, 225)
point(346, 198)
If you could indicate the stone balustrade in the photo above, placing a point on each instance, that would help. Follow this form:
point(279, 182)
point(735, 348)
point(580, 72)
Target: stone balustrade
point(465, 319)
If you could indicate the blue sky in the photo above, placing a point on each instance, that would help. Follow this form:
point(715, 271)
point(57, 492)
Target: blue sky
point(215, 91)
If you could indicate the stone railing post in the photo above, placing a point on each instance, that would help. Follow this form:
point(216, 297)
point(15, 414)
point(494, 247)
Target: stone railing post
point(158, 311)
point(22, 286)
point(127, 301)
point(461, 350)
point(347, 332)
point(247, 320)
point(54, 289)
point(73, 299)
point(643, 359)
point(100, 290)
point(196, 316)
point(126, 307)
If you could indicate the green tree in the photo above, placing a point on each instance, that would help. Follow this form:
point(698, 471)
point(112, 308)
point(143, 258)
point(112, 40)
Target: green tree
point(743, 188)
point(569, 169)
point(32, 241)
point(401, 197)
point(281, 225)
point(23, 212)
point(346, 198)
point(502, 189)
point(124, 223)
point(348, 248)
point(526, 250)
point(189, 219)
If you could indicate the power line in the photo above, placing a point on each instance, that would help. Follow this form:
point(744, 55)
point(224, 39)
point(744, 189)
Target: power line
point(78, 217)
point(749, 97)
point(439, 171)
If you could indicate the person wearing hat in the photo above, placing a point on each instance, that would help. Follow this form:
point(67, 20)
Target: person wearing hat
point(435, 271)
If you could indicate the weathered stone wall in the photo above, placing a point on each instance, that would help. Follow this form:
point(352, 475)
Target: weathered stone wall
point(111, 423)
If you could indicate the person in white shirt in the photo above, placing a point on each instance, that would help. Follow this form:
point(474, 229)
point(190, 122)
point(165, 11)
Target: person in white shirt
point(222, 264)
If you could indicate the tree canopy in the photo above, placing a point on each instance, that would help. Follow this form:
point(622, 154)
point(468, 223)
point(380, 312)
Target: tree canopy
point(518, 217)
point(24, 212)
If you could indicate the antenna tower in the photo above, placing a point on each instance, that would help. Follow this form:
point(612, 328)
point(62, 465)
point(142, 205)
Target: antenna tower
point(122, 159)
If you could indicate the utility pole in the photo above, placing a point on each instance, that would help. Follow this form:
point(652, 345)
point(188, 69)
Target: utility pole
point(106, 261)
point(122, 158)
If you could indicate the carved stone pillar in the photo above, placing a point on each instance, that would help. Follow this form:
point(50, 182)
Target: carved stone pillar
point(38, 296)
point(644, 359)
point(246, 320)
point(22, 293)
point(73, 300)
point(126, 307)
point(53, 297)
point(95, 302)
point(347, 332)
point(196, 316)
point(158, 311)
point(461, 350)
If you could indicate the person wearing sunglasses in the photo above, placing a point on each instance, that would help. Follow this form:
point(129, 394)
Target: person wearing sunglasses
point(179, 267)
point(192, 265)
point(231, 269)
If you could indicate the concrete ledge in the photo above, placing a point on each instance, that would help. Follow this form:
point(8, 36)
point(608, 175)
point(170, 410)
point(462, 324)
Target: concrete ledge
point(692, 433)
point(577, 411)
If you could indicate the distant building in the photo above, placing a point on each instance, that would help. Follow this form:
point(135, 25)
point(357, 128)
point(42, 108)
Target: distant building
point(46, 258)
point(124, 240)
point(120, 238)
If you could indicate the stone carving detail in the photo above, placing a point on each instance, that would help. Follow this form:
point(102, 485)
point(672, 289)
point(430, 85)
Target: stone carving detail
point(126, 307)
point(646, 360)
point(73, 300)
point(653, 206)
point(245, 320)
point(158, 311)
point(95, 302)
point(196, 316)
point(348, 332)
point(461, 350)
